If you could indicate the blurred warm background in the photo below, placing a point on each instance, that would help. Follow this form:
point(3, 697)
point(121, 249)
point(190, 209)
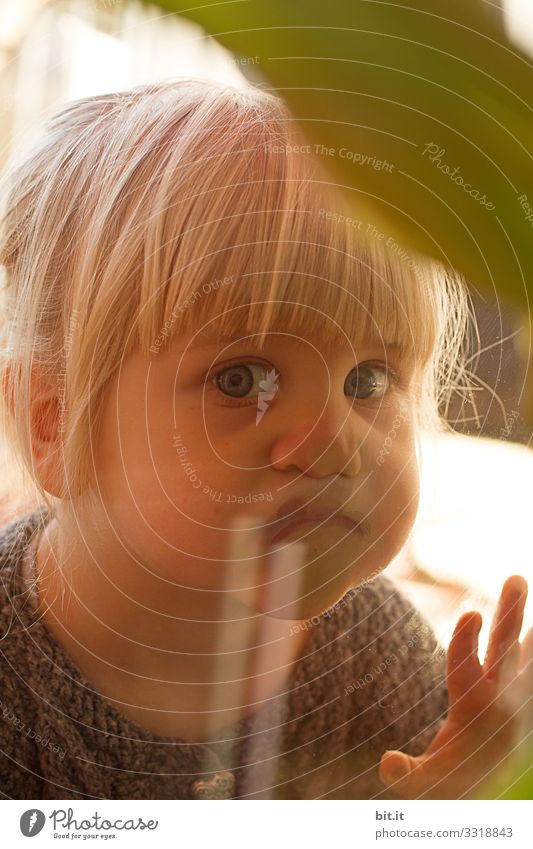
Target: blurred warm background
point(473, 527)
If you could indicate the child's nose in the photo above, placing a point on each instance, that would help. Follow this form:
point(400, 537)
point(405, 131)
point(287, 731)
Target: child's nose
point(319, 447)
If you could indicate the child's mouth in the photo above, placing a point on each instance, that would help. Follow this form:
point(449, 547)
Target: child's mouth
point(291, 524)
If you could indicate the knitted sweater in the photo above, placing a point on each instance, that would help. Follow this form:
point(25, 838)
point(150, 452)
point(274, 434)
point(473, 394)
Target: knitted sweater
point(371, 678)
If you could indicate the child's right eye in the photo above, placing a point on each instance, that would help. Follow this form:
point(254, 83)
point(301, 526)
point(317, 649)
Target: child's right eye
point(238, 380)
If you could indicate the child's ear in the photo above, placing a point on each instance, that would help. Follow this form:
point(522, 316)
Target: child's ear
point(44, 422)
point(46, 432)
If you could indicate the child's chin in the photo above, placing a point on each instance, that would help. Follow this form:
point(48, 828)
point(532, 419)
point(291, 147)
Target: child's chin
point(292, 612)
point(278, 602)
point(299, 593)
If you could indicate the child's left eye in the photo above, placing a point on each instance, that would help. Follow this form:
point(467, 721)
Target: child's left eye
point(368, 380)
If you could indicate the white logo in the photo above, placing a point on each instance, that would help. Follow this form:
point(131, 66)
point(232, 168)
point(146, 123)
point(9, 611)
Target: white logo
point(31, 822)
point(269, 387)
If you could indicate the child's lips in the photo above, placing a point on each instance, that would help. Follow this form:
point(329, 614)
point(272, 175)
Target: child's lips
point(291, 584)
point(324, 519)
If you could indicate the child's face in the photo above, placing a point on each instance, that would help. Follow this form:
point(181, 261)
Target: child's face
point(179, 456)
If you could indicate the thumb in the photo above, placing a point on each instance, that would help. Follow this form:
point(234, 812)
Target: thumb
point(396, 768)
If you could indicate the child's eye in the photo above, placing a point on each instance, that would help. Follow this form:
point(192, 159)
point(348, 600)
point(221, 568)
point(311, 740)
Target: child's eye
point(243, 382)
point(238, 380)
point(368, 380)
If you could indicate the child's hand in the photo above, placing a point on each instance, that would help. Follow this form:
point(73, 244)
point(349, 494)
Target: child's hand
point(487, 705)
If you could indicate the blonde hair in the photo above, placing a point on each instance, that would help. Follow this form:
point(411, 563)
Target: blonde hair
point(146, 213)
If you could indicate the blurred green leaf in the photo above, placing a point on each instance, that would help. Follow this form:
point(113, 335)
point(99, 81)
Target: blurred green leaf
point(387, 80)
point(519, 782)
point(436, 93)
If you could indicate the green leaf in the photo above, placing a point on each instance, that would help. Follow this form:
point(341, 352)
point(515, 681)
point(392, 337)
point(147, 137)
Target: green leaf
point(423, 117)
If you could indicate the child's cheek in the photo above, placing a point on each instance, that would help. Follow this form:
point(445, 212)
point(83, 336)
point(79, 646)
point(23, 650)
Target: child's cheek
point(396, 495)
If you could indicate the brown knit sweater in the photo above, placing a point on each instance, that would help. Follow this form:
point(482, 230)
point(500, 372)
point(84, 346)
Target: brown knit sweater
point(371, 678)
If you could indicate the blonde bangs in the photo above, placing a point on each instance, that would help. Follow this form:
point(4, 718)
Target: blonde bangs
point(270, 252)
point(189, 206)
point(316, 287)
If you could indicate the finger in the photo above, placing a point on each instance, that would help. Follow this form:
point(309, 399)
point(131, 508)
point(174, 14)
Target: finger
point(526, 653)
point(428, 777)
point(403, 773)
point(524, 688)
point(463, 666)
point(505, 629)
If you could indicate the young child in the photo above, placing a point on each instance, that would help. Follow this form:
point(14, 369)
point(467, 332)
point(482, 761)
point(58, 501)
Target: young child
point(216, 383)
